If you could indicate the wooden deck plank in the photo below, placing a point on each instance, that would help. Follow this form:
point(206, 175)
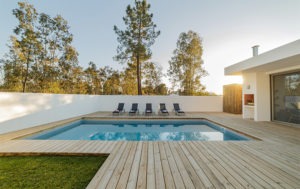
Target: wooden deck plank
point(106, 176)
point(34, 146)
point(87, 148)
point(98, 146)
point(96, 181)
point(242, 168)
point(150, 167)
point(257, 167)
point(282, 163)
point(271, 171)
point(214, 166)
point(110, 147)
point(133, 177)
point(57, 146)
point(234, 177)
point(188, 183)
point(168, 177)
point(201, 164)
point(190, 169)
point(142, 176)
point(178, 181)
point(122, 183)
point(199, 170)
point(110, 170)
point(65, 146)
point(114, 178)
point(159, 177)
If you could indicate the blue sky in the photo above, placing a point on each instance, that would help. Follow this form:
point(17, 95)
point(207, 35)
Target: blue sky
point(229, 28)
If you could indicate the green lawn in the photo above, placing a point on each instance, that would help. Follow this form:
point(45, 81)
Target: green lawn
point(48, 171)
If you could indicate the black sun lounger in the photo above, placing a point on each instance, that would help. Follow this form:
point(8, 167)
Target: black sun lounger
point(162, 109)
point(134, 109)
point(177, 109)
point(148, 110)
point(119, 110)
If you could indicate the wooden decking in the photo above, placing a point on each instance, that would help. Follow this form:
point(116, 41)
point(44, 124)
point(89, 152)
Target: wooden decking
point(272, 162)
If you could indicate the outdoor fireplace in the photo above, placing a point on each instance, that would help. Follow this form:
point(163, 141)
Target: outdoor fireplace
point(249, 99)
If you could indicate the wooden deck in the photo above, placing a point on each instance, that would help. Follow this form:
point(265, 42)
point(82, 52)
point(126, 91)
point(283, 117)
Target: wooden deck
point(272, 162)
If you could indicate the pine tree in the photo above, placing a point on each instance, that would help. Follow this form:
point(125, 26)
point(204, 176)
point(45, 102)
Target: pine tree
point(136, 39)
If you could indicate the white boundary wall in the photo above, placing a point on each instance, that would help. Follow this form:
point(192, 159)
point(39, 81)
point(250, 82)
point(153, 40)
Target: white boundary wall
point(24, 110)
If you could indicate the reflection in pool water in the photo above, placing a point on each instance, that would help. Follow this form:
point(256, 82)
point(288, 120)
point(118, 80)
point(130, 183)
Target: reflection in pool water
point(141, 130)
point(156, 136)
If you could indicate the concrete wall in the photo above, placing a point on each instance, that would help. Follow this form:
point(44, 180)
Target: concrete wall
point(249, 83)
point(263, 97)
point(19, 111)
point(258, 84)
point(249, 87)
point(24, 110)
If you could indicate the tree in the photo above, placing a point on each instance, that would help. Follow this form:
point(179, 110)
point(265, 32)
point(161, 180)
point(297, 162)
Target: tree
point(128, 80)
point(136, 39)
point(40, 57)
point(93, 79)
point(12, 68)
point(161, 89)
point(185, 67)
point(112, 84)
point(27, 45)
point(151, 78)
point(68, 69)
point(57, 58)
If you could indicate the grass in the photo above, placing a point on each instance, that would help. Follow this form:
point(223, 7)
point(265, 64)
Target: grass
point(48, 171)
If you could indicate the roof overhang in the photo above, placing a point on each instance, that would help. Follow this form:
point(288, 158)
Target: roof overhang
point(281, 58)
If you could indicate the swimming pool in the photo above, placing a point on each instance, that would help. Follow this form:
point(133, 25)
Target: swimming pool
point(140, 130)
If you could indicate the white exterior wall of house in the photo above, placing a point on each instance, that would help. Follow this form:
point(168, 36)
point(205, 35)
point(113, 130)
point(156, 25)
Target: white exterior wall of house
point(256, 72)
point(262, 97)
point(24, 110)
point(249, 87)
point(257, 84)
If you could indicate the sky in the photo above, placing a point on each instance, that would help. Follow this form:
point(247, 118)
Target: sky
point(228, 28)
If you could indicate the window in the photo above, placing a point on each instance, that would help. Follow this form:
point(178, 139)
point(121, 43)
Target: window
point(286, 97)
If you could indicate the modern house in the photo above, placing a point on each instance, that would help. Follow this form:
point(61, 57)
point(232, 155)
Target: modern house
point(271, 87)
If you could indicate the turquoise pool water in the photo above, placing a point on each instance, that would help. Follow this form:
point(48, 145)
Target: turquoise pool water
point(140, 130)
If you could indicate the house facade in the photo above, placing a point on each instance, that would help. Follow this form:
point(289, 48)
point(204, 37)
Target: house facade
point(271, 84)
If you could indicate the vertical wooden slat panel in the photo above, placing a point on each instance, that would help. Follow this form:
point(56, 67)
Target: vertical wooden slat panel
point(232, 98)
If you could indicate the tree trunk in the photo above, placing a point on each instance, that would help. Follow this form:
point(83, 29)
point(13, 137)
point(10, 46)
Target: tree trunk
point(26, 73)
point(138, 73)
point(25, 79)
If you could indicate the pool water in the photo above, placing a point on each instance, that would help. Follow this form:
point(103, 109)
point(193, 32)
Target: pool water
point(140, 130)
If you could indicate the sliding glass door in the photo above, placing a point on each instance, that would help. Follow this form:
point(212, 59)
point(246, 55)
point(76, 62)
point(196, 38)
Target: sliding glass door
point(286, 97)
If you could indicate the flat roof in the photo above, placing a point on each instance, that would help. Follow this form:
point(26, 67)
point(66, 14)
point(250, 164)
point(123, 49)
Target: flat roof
point(283, 57)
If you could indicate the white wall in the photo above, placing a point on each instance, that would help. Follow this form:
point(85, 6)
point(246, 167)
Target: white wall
point(259, 84)
point(24, 110)
point(249, 83)
point(249, 87)
point(263, 97)
point(187, 103)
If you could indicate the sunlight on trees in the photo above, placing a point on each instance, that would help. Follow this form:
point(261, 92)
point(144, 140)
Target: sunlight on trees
point(41, 58)
point(136, 39)
point(185, 67)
